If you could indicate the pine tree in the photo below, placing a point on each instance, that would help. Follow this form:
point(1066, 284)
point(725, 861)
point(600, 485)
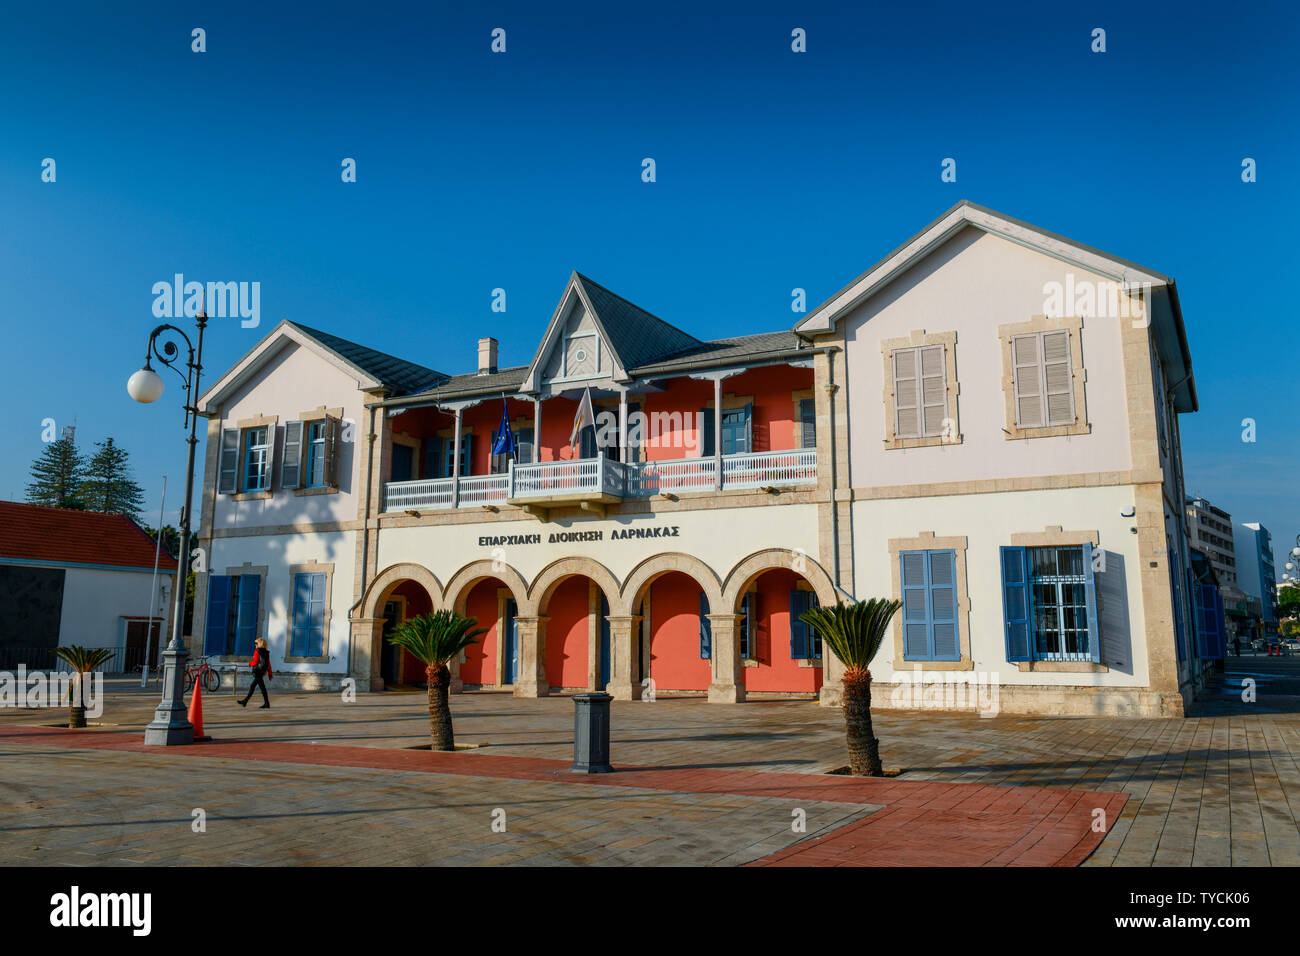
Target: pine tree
point(57, 476)
point(108, 485)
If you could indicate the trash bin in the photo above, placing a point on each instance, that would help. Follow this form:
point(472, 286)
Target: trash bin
point(591, 733)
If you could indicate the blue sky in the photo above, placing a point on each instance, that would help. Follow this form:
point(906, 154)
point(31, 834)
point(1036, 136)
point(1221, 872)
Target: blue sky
point(476, 171)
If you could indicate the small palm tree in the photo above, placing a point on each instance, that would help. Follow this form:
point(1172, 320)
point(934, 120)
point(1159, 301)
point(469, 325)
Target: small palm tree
point(434, 639)
point(83, 661)
point(854, 632)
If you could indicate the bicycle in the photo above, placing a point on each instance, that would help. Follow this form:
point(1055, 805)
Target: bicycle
point(155, 673)
point(202, 670)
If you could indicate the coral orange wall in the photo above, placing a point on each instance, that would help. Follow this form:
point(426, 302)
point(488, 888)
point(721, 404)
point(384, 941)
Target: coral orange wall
point(566, 632)
point(675, 662)
point(417, 603)
point(776, 671)
point(480, 666)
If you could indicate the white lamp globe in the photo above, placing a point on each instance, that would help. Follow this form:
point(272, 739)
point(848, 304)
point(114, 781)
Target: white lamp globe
point(145, 386)
point(1296, 552)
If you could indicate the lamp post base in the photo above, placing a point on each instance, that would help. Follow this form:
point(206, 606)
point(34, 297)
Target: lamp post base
point(171, 725)
point(169, 733)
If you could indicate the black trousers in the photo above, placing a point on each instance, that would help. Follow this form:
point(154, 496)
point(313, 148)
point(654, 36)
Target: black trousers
point(257, 685)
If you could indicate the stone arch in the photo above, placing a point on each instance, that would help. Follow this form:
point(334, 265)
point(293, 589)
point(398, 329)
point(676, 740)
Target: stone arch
point(539, 593)
point(463, 581)
point(645, 573)
point(393, 575)
point(777, 558)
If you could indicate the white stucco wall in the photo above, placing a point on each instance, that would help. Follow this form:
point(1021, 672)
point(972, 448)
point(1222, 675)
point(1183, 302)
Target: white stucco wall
point(95, 601)
point(973, 284)
point(295, 381)
point(988, 521)
point(278, 553)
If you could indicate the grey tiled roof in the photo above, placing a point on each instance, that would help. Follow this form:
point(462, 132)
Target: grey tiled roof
point(725, 351)
point(636, 336)
point(505, 380)
point(399, 375)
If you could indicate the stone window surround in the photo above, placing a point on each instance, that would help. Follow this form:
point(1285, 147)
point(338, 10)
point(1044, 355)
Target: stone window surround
point(315, 415)
point(310, 567)
point(916, 339)
point(243, 425)
point(246, 569)
point(796, 397)
point(1078, 377)
point(1054, 537)
point(928, 541)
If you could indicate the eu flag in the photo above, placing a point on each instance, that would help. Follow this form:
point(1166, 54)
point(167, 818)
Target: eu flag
point(503, 439)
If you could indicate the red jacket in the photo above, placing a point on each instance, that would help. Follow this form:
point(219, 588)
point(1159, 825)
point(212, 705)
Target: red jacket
point(261, 661)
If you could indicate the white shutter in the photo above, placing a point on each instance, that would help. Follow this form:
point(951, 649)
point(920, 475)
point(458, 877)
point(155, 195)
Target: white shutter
point(934, 390)
point(907, 410)
point(1057, 378)
point(1028, 381)
point(228, 473)
point(291, 468)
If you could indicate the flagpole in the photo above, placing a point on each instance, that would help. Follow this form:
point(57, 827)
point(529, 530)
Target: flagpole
point(148, 633)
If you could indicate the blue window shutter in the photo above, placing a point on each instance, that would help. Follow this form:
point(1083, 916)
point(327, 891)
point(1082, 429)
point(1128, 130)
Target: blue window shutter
point(1015, 602)
point(943, 606)
point(706, 416)
point(914, 576)
point(808, 423)
point(214, 632)
point(301, 615)
point(706, 630)
point(798, 629)
point(432, 457)
point(246, 627)
point(746, 651)
point(749, 429)
point(317, 648)
point(466, 455)
point(1090, 595)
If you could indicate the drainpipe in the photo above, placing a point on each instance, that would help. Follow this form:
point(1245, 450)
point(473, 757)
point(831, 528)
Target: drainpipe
point(835, 508)
point(365, 529)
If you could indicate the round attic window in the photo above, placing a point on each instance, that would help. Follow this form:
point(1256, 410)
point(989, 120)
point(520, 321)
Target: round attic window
point(580, 355)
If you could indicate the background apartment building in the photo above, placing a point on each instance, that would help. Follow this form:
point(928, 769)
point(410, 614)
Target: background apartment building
point(1257, 575)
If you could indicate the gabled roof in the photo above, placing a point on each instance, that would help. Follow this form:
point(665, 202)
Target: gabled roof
point(632, 335)
point(60, 536)
point(371, 368)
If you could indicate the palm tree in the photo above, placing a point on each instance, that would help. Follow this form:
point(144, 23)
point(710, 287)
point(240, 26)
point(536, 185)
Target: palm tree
point(434, 639)
point(82, 660)
point(854, 632)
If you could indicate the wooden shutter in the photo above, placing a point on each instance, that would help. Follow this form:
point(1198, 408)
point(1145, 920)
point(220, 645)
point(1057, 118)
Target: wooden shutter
point(291, 468)
point(433, 459)
point(1057, 378)
point(706, 629)
point(746, 629)
point(943, 606)
point(246, 623)
point(798, 629)
point(1090, 595)
point(214, 630)
point(466, 455)
point(706, 416)
point(1112, 612)
point(933, 390)
point(333, 439)
point(916, 606)
point(301, 620)
point(228, 474)
point(907, 411)
point(808, 423)
point(1028, 381)
point(1015, 602)
point(749, 430)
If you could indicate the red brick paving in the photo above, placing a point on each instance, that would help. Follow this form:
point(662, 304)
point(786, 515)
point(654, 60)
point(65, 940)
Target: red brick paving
point(921, 823)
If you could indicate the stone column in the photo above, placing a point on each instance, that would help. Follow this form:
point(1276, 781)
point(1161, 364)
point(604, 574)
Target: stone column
point(531, 680)
point(728, 685)
point(367, 652)
point(832, 692)
point(457, 685)
point(625, 679)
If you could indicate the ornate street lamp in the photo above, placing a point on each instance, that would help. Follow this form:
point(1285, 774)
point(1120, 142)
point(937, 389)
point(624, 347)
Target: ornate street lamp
point(171, 724)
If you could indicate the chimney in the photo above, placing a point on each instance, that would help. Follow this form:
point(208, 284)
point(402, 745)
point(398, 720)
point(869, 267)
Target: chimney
point(487, 356)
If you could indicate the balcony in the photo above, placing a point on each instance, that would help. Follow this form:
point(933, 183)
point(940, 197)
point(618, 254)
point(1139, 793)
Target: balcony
point(593, 483)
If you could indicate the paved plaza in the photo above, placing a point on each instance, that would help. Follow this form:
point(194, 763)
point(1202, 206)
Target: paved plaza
point(315, 780)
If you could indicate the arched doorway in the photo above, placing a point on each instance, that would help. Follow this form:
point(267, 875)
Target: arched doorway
point(676, 644)
point(491, 593)
point(571, 600)
point(402, 602)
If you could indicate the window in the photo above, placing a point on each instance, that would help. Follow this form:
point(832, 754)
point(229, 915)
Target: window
point(403, 463)
point(807, 423)
point(1050, 604)
point(928, 580)
point(737, 430)
point(805, 642)
point(466, 462)
point(1043, 380)
point(920, 392)
point(232, 617)
point(307, 635)
point(257, 459)
point(316, 454)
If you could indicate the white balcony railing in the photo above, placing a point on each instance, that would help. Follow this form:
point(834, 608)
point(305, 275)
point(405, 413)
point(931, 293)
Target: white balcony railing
point(602, 476)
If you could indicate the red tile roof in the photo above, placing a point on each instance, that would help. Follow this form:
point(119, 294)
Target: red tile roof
point(62, 535)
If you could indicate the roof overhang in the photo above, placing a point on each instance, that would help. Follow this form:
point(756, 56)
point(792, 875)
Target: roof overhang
point(246, 369)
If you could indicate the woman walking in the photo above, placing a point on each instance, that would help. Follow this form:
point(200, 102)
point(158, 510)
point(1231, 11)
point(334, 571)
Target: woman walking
point(261, 664)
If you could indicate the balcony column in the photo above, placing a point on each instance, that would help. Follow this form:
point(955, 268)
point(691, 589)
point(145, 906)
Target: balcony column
point(717, 433)
point(455, 463)
point(624, 681)
point(728, 686)
point(531, 680)
point(537, 429)
point(622, 425)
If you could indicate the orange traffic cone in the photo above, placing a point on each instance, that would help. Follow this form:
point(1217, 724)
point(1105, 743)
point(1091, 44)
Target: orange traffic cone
point(196, 712)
